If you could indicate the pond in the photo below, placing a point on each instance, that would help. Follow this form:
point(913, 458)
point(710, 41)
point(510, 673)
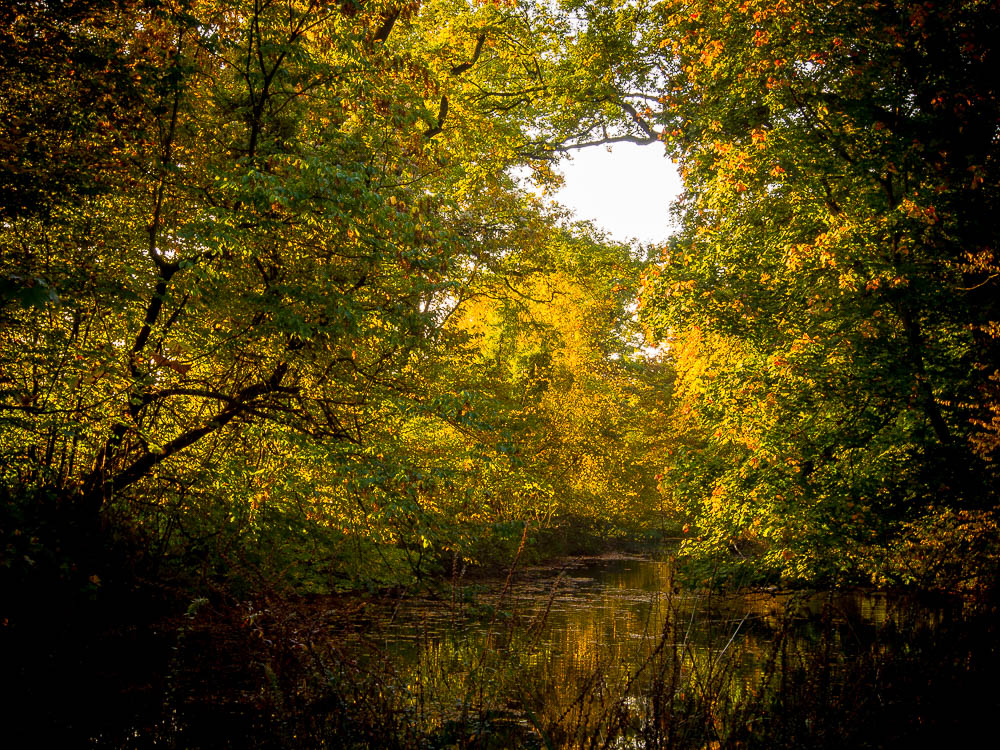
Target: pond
point(605, 652)
point(609, 652)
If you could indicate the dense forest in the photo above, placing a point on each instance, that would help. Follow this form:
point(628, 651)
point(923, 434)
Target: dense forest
point(281, 313)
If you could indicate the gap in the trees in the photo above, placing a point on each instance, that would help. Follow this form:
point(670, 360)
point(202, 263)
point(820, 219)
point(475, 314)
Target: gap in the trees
point(625, 189)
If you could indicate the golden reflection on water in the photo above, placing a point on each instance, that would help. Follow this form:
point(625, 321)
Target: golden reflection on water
point(591, 643)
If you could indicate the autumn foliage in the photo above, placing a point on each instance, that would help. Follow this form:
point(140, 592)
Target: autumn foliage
point(276, 309)
point(831, 302)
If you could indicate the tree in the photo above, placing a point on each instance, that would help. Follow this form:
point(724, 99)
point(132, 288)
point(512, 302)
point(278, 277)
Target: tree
point(232, 293)
point(547, 339)
point(830, 297)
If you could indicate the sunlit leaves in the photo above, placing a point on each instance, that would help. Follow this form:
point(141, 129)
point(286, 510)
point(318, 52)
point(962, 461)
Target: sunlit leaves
point(309, 306)
point(822, 331)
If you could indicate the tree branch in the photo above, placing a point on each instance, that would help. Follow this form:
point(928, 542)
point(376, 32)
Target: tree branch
point(442, 113)
point(386, 28)
point(98, 487)
point(459, 69)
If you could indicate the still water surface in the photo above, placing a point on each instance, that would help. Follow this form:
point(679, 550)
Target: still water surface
point(615, 605)
point(592, 653)
point(611, 648)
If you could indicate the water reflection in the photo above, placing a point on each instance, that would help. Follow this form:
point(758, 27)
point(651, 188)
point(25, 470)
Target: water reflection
point(610, 648)
point(597, 653)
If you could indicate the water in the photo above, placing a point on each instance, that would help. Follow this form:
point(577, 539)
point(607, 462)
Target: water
point(592, 653)
point(610, 652)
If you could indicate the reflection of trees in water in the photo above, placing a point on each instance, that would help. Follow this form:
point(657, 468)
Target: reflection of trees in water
point(617, 657)
point(623, 653)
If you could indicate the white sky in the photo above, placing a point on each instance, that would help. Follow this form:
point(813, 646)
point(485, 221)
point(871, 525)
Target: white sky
point(627, 191)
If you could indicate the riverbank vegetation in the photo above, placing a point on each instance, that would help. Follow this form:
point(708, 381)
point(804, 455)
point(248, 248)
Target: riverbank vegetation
point(281, 315)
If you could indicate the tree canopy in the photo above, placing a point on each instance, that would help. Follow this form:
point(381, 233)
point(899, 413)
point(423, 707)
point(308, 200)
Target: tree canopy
point(272, 255)
point(832, 297)
point(269, 277)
